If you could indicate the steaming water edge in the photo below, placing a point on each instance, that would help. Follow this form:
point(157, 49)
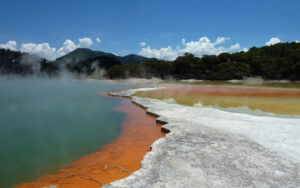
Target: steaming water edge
point(46, 124)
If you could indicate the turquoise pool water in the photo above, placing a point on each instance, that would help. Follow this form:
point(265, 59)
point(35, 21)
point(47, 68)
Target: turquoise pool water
point(45, 124)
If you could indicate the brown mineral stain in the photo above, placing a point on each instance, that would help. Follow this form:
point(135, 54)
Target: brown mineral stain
point(112, 162)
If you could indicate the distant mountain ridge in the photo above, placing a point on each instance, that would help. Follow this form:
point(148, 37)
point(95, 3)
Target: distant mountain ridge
point(83, 54)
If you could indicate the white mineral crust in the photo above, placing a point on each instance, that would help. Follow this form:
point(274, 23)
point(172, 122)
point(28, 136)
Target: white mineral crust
point(209, 147)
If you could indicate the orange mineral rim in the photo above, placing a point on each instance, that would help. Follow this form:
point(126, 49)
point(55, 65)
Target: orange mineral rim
point(114, 161)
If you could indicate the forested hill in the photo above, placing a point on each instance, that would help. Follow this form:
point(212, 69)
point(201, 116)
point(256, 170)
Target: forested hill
point(275, 62)
point(84, 54)
point(81, 54)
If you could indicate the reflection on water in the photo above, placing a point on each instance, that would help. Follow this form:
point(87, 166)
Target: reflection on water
point(277, 101)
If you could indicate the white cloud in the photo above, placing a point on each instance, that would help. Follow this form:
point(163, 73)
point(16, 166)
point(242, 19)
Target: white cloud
point(205, 46)
point(98, 40)
point(12, 45)
point(43, 50)
point(67, 47)
point(297, 41)
point(85, 42)
point(142, 44)
point(46, 51)
point(198, 48)
point(183, 41)
point(235, 47)
point(245, 50)
point(221, 40)
point(163, 53)
point(272, 41)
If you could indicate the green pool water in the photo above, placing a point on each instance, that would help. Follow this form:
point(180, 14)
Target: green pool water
point(45, 124)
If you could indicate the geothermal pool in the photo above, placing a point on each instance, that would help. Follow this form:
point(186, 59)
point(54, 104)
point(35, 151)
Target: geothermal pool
point(46, 124)
point(213, 146)
point(279, 101)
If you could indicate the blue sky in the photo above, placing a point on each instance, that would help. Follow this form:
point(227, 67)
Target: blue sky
point(123, 24)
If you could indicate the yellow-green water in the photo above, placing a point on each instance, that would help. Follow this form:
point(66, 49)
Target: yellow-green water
point(277, 105)
point(263, 84)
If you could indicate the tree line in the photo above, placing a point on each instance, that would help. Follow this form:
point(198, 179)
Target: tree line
point(275, 62)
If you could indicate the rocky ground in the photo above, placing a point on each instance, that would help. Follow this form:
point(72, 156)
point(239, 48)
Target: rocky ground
point(209, 147)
